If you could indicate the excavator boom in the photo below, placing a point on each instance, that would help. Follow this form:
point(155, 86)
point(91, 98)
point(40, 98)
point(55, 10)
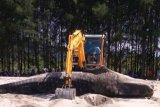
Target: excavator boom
point(76, 43)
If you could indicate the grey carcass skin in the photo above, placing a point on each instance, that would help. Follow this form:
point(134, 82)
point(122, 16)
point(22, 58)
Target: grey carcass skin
point(103, 81)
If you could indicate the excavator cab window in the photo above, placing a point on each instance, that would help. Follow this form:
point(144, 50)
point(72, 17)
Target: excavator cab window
point(92, 50)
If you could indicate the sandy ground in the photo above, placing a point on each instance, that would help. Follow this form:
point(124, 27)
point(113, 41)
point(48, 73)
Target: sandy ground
point(88, 100)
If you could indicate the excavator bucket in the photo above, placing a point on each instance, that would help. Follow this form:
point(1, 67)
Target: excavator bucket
point(66, 93)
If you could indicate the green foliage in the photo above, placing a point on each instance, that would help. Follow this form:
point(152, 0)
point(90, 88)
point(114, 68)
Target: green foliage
point(146, 2)
point(36, 30)
point(100, 10)
point(75, 1)
point(69, 17)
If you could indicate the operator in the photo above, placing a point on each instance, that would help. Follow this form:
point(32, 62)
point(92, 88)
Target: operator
point(96, 50)
point(96, 53)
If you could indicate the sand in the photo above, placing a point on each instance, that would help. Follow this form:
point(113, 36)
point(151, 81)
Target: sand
point(87, 100)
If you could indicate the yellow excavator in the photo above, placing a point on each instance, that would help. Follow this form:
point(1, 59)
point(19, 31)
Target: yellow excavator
point(84, 53)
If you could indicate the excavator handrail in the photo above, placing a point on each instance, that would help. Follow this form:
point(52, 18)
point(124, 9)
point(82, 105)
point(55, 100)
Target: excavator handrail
point(93, 35)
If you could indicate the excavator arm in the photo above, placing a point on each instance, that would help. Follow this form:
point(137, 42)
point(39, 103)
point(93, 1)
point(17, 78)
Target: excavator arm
point(75, 43)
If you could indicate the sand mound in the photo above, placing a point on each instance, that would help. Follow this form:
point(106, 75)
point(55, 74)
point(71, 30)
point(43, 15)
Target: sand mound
point(96, 99)
point(78, 102)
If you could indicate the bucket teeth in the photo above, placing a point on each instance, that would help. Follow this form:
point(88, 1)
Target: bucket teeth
point(66, 93)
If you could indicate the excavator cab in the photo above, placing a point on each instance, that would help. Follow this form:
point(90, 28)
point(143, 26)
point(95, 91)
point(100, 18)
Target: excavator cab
point(94, 51)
